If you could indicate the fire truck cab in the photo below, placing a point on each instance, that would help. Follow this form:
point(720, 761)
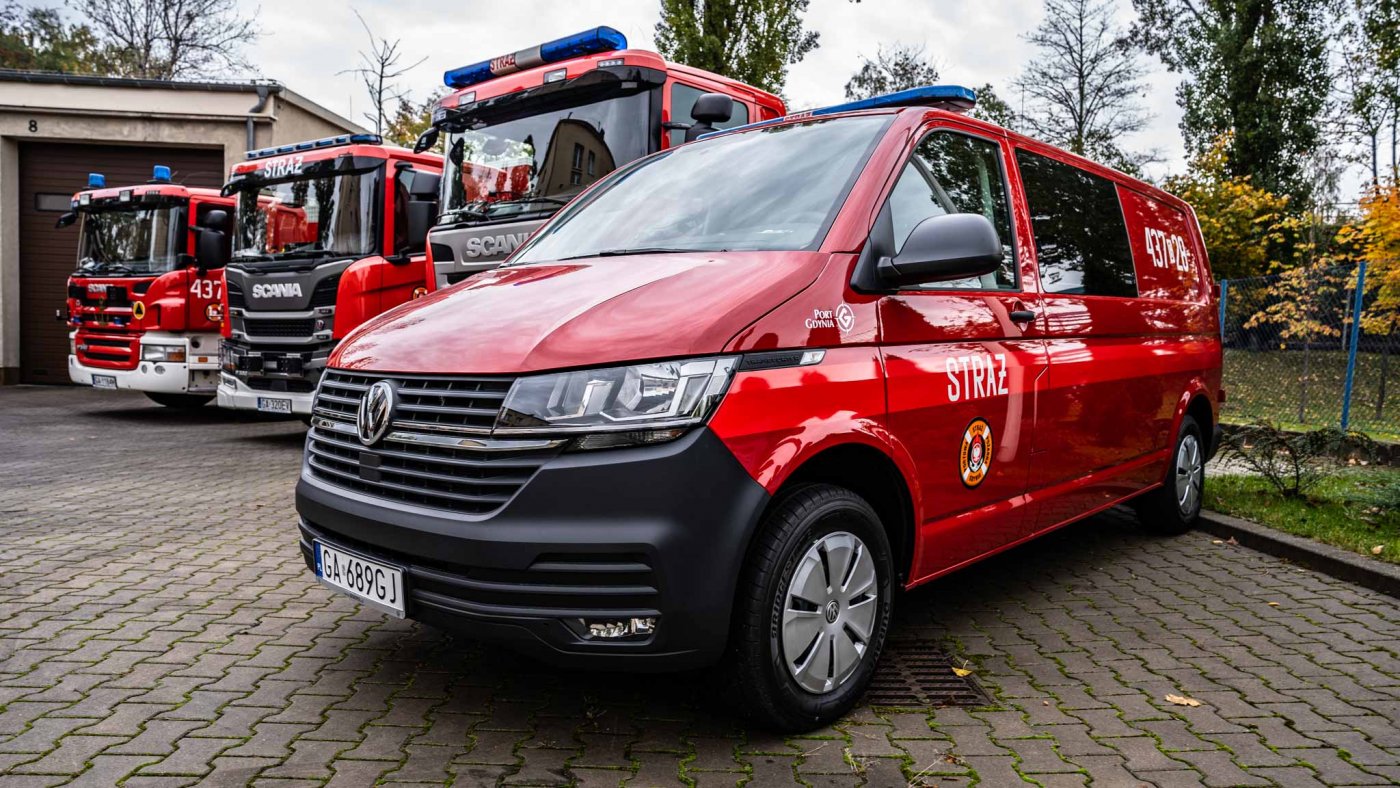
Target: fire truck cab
point(144, 302)
point(329, 233)
point(526, 132)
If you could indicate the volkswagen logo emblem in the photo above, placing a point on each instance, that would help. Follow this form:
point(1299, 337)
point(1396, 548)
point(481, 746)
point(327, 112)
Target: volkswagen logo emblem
point(376, 410)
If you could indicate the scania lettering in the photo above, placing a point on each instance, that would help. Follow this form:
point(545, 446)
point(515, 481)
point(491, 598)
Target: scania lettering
point(330, 233)
point(526, 132)
point(144, 303)
point(732, 398)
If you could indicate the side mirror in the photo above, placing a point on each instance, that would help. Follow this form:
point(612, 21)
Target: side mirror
point(420, 215)
point(66, 219)
point(944, 248)
point(212, 242)
point(426, 140)
point(709, 109)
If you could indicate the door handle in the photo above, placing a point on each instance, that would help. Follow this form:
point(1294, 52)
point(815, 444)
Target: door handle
point(1022, 316)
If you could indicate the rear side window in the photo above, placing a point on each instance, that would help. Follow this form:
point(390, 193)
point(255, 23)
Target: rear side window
point(1081, 241)
point(955, 173)
point(683, 101)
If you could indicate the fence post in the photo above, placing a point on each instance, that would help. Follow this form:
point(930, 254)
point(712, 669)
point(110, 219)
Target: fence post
point(1224, 292)
point(1355, 338)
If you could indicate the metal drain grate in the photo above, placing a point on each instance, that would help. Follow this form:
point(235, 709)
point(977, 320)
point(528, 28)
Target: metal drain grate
point(916, 673)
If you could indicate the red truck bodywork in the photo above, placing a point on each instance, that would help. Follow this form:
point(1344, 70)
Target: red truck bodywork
point(363, 288)
point(110, 314)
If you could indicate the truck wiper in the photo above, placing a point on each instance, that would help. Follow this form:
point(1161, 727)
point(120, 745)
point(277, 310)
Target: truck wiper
point(107, 267)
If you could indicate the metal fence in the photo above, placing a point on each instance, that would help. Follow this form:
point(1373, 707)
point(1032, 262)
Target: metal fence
point(1296, 354)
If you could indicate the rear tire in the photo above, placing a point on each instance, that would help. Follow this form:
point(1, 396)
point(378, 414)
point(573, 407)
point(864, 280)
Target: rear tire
point(181, 401)
point(812, 611)
point(1174, 507)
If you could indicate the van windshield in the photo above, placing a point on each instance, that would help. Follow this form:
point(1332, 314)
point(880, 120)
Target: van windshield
point(775, 188)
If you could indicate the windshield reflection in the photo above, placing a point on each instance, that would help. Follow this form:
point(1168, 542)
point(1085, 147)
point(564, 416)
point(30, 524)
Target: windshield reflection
point(330, 215)
point(130, 241)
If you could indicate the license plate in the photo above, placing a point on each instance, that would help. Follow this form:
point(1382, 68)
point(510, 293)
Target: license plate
point(378, 584)
point(274, 405)
point(104, 381)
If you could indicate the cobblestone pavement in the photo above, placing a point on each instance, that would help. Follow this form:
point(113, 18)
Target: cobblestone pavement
point(157, 627)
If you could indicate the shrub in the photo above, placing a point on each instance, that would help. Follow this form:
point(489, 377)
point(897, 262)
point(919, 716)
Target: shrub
point(1294, 462)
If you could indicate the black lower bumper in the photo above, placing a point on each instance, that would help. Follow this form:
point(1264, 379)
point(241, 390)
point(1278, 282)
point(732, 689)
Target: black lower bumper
point(593, 536)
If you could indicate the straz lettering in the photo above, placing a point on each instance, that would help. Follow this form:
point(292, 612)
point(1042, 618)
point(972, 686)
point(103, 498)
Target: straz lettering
point(502, 64)
point(493, 244)
point(1167, 250)
point(976, 377)
point(282, 290)
point(281, 168)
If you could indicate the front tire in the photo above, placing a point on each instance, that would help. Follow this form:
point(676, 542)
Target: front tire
point(1174, 507)
point(180, 401)
point(813, 610)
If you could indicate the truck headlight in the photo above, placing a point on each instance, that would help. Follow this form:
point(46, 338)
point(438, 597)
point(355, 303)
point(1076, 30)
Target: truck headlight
point(650, 402)
point(169, 353)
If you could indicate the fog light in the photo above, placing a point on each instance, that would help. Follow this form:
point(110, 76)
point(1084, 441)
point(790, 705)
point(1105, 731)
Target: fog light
point(626, 628)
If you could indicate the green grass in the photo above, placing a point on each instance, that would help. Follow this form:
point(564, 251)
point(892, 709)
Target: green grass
point(1269, 386)
point(1356, 509)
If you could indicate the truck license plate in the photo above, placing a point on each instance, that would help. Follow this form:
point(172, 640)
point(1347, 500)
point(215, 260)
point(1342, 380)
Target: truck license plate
point(377, 584)
point(274, 405)
point(104, 381)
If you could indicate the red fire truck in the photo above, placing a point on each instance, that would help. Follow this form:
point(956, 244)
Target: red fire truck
point(144, 303)
point(526, 132)
point(329, 233)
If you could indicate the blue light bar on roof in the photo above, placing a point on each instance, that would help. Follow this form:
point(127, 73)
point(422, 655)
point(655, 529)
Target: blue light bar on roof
point(160, 174)
point(953, 97)
point(326, 142)
point(97, 180)
point(589, 42)
point(950, 97)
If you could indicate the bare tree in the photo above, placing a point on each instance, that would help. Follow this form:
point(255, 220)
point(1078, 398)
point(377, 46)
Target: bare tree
point(379, 68)
point(1085, 83)
point(169, 39)
point(898, 67)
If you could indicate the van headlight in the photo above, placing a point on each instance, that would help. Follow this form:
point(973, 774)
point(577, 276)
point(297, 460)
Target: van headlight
point(170, 353)
point(657, 401)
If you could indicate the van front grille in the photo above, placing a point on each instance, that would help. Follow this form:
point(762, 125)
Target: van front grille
point(427, 458)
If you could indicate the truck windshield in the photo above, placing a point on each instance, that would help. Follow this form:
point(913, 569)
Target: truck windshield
point(532, 165)
point(312, 216)
point(775, 188)
point(131, 240)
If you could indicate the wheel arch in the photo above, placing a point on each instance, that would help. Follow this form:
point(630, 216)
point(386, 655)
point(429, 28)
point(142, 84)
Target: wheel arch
point(873, 475)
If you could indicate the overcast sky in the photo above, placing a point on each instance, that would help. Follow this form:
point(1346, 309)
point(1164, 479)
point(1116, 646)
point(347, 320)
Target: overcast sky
point(305, 43)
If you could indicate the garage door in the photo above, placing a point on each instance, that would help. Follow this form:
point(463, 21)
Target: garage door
point(49, 173)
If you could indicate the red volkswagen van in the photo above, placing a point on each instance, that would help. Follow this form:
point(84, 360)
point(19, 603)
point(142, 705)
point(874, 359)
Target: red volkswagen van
point(735, 394)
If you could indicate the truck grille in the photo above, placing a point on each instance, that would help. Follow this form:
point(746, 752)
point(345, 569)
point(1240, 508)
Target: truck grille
point(235, 295)
point(296, 327)
point(426, 459)
point(325, 292)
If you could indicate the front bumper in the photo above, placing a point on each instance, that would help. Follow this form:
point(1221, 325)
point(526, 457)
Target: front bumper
point(160, 377)
point(653, 531)
point(237, 395)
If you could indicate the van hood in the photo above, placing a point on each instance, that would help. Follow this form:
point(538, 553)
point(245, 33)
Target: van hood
point(578, 313)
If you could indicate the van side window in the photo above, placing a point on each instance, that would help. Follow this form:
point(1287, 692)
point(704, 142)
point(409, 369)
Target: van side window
point(683, 100)
point(955, 173)
point(1081, 240)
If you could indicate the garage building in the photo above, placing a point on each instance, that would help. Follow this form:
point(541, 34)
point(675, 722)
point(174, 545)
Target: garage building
point(57, 128)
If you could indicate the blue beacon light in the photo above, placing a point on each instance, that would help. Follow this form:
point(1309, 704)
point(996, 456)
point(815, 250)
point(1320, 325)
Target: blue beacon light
point(599, 39)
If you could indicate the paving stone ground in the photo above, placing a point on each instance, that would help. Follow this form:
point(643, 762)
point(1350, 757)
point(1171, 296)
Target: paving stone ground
point(157, 627)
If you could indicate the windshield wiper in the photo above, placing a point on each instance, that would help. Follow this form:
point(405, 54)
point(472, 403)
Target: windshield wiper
point(636, 251)
point(107, 267)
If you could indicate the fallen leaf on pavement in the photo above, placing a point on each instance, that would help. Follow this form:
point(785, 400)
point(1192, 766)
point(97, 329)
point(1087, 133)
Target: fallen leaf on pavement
point(1217, 541)
point(1182, 700)
point(1273, 604)
point(1231, 540)
point(962, 673)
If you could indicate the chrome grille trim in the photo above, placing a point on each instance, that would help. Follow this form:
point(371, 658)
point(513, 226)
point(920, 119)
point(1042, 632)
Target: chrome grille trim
point(436, 464)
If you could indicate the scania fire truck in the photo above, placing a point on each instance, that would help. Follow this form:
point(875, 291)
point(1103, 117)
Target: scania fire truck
point(144, 302)
point(329, 234)
point(528, 131)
